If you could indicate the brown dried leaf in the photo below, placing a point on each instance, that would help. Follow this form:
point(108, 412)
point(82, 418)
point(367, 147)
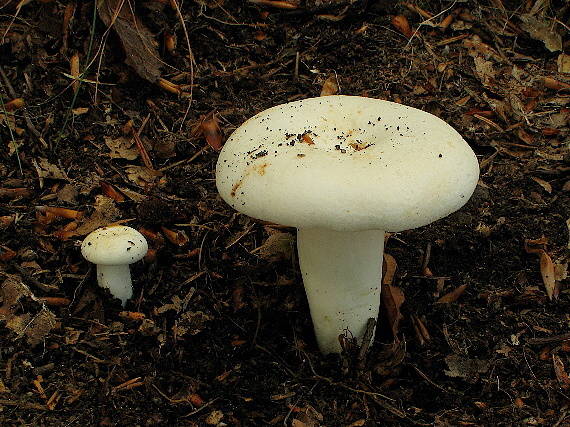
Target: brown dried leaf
point(79, 111)
point(111, 192)
point(560, 372)
point(390, 267)
point(40, 325)
point(105, 213)
point(548, 276)
point(74, 70)
point(534, 242)
point(400, 22)
point(392, 299)
point(14, 104)
point(330, 86)
point(141, 175)
point(560, 271)
point(278, 4)
point(212, 133)
point(485, 71)
point(178, 238)
point(6, 254)
point(468, 369)
point(539, 28)
point(35, 327)
point(278, 246)
point(554, 84)
point(563, 63)
point(453, 295)
point(46, 170)
point(389, 357)
point(307, 417)
point(68, 193)
point(6, 220)
point(138, 42)
point(121, 148)
point(542, 183)
point(191, 323)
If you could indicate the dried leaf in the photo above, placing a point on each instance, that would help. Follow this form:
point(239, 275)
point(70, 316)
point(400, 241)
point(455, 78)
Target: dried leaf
point(390, 267)
point(105, 213)
point(389, 356)
point(560, 372)
point(560, 271)
point(392, 299)
point(141, 175)
point(212, 132)
point(485, 71)
point(74, 70)
point(39, 326)
point(539, 28)
point(6, 220)
point(33, 327)
point(453, 295)
point(330, 86)
point(554, 84)
point(14, 104)
point(278, 246)
point(121, 148)
point(191, 323)
point(6, 254)
point(400, 22)
point(112, 192)
point(138, 42)
point(307, 417)
point(278, 4)
point(214, 418)
point(421, 330)
point(178, 238)
point(563, 63)
point(548, 276)
point(542, 183)
point(463, 367)
point(68, 193)
point(47, 170)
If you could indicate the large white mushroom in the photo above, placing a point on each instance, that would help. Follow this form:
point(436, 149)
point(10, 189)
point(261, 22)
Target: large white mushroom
point(343, 170)
point(113, 249)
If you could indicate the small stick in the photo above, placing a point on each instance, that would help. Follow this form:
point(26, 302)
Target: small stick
point(548, 340)
point(366, 340)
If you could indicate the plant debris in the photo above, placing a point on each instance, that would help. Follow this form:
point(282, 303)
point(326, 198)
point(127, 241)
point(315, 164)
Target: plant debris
point(113, 112)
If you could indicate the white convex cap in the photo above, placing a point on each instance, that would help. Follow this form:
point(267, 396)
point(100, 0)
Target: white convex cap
point(346, 163)
point(113, 249)
point(114, 245)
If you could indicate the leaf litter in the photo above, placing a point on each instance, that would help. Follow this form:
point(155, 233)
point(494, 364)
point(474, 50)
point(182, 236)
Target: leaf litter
point(209, 315)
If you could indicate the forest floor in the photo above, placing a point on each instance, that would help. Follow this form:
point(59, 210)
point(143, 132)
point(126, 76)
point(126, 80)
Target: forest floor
point(117, 114)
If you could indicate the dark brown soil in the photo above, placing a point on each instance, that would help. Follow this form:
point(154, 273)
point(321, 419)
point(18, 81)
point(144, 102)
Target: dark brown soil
point(218, 333)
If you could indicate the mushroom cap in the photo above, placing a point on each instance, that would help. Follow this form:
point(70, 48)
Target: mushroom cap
point(114, 245)
point(346, 163)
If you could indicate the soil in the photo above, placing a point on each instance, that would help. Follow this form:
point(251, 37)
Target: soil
point(475, 326)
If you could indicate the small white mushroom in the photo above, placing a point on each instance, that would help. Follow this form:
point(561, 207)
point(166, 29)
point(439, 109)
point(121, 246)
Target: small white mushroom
point(344, 170)
point(113, 249)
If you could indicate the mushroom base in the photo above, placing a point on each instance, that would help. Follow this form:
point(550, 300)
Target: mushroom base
point(116, 278)
point(342, 274)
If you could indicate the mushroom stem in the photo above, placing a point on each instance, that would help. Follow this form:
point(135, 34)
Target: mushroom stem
point(116, 278)
point(342, 273)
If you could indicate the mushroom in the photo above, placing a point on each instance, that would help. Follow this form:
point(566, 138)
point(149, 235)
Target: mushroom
point(113, 249)
point(343, 170)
